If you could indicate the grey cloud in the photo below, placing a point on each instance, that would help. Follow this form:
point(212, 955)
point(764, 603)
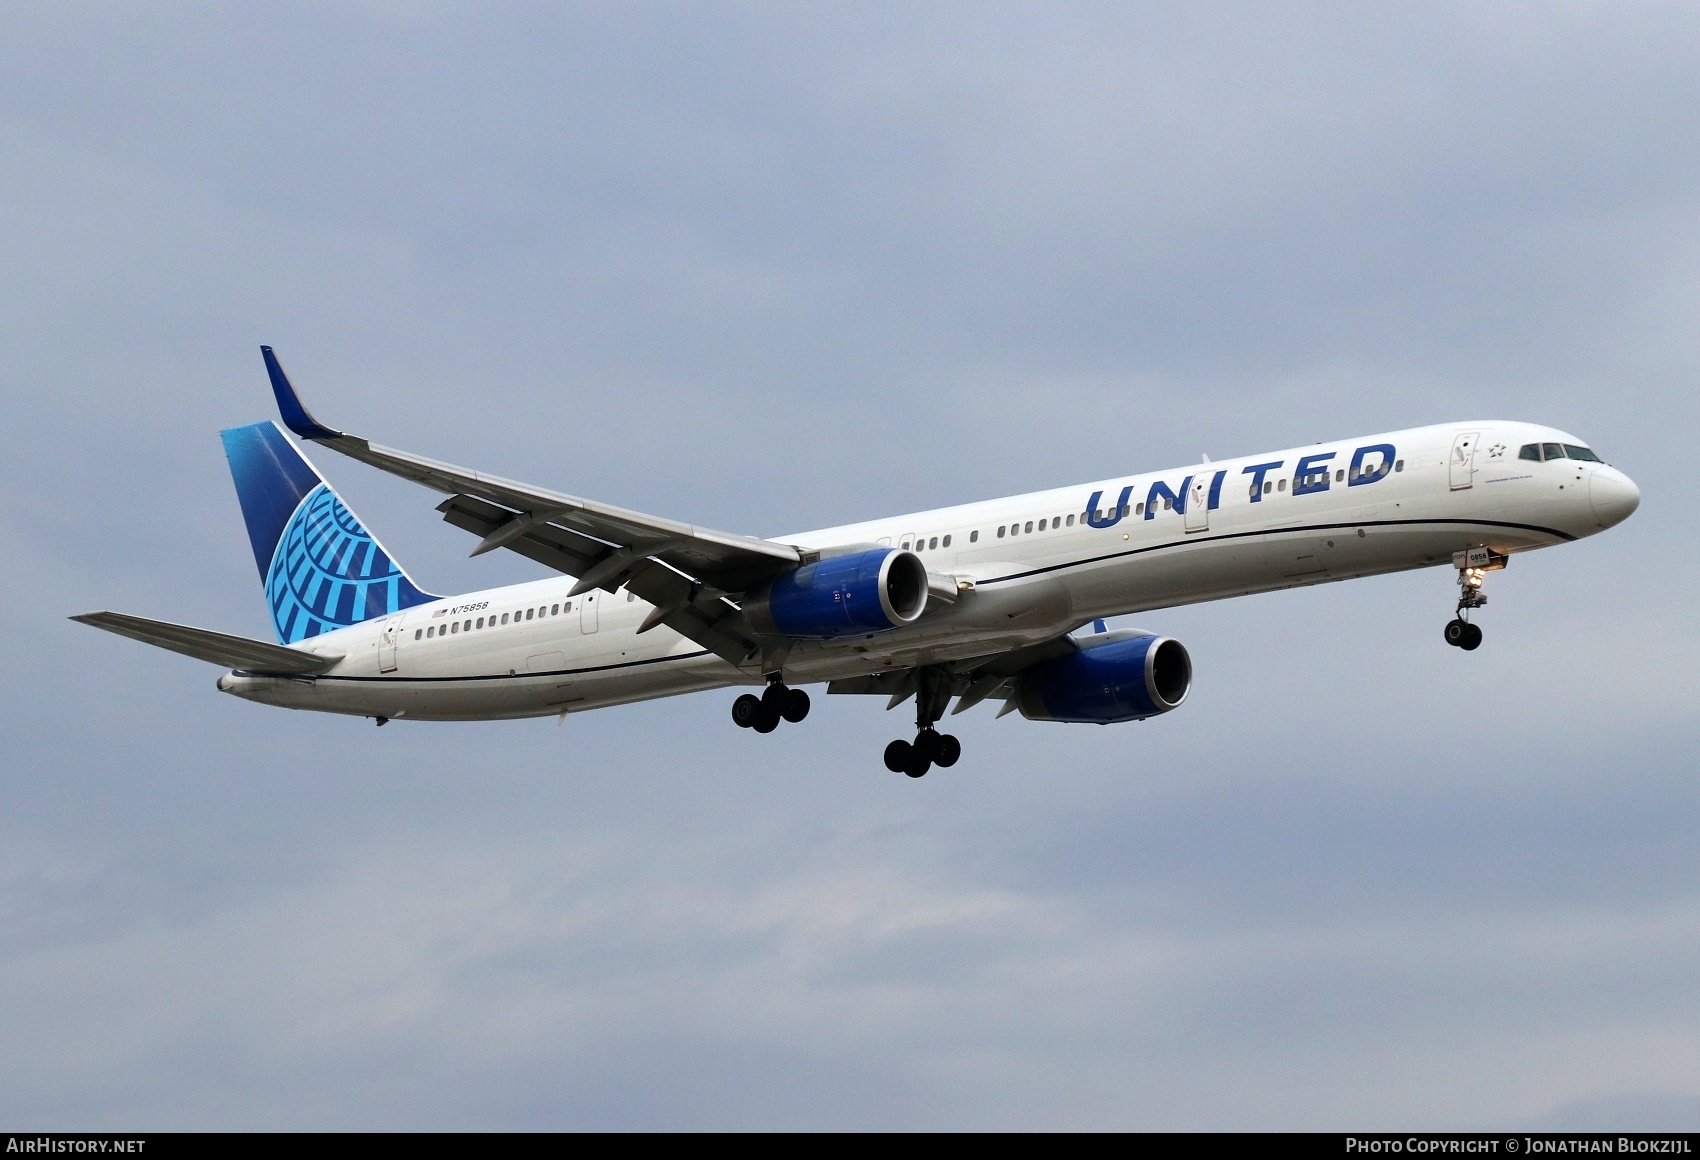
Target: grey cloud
point(770, 269)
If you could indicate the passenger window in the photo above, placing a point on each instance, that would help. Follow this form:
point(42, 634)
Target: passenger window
point(1071, 520)
point(418, 633)
point(528, 613)
point(567, 607)
point(1582, 453)
point(1398, 465)
point(467, 626)
point(1029, 528)
point(947, 541)
point(973, 537)
point(1552, 450)
point(1042, 525)
point(1340, 475)
point(1281, 486)
point(933, 543)
point(1268, 487)
point(504, 618)
point(1000, 531)
point(1139, 508)
point(905, 545)
point(455, 627)
point(480, 622)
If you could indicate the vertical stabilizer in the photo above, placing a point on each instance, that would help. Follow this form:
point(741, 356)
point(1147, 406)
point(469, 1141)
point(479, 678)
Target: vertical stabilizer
point(322, 569)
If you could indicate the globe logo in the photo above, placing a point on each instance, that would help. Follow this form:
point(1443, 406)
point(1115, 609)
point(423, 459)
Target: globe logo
point(327, 572)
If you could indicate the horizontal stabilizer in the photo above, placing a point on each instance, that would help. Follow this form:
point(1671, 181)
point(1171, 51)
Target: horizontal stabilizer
point(234, 652)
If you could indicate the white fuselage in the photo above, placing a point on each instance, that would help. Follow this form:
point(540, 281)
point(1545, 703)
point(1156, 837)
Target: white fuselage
point(531, 650)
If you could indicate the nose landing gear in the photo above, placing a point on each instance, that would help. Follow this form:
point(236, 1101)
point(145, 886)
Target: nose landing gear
point(1473, 567)
point(777, 703)
point(930, 747)
point(1460, 633)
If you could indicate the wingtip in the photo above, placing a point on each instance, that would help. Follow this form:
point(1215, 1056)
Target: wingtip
point(295, 414)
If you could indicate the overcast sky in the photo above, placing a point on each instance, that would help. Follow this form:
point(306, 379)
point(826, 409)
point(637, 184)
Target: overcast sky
point(769, 268)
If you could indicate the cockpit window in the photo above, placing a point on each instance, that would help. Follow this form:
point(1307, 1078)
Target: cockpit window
point(1530, 451)
point(1553, 450)
point(1582, 453)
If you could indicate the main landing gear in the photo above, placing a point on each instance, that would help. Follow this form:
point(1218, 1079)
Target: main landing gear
point(1473, 567)
point(930, 747)
point(777, 702)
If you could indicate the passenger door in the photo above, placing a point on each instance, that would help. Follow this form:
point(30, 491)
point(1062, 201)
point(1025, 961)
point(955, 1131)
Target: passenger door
point(1198, 504)
point(588, 606)
point(386, 645)
point(1461, 466)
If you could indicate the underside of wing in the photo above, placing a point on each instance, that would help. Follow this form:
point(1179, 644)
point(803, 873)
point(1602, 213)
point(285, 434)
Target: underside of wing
point(233, 652)
point(970, 681)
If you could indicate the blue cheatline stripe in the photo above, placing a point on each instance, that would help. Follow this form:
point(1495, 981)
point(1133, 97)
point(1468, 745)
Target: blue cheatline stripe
point(505, 676)
point(1307, 529)
point(1278, 532)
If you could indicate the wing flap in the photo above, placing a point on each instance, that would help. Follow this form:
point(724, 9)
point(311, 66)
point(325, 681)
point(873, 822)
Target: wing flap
point(233, 652)
point(693, 610)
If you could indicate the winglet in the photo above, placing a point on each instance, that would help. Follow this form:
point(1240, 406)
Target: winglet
point(295, 416)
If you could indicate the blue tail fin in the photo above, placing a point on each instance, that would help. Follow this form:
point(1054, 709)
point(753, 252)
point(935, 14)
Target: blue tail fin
point(321, 568)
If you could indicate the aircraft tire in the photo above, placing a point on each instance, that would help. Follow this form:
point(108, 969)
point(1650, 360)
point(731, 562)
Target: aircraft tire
point(897, 756)
point(746, 710)
point(1472, 638)
point(949, 750)
point(1456, 631)
point(767, 722)
point(796, 706)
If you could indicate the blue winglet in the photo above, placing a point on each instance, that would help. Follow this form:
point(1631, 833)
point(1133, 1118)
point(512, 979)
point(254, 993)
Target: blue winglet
point(295, 416)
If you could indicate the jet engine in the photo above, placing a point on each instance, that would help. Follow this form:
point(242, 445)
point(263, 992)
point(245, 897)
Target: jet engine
point(849, 595)
point(1124, 679)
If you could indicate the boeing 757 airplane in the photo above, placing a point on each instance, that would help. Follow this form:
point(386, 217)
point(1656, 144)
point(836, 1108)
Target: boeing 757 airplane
point(1001, 600)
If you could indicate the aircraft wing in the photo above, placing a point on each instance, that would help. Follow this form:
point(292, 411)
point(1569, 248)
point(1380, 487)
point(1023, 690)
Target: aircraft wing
point(233, 652)
point(686, 571)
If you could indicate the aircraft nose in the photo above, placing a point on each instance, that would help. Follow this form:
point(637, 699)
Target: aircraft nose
point(1614, 496)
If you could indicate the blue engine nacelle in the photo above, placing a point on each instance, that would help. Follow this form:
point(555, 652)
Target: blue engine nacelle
point(1118, 680)
point(851, 595)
